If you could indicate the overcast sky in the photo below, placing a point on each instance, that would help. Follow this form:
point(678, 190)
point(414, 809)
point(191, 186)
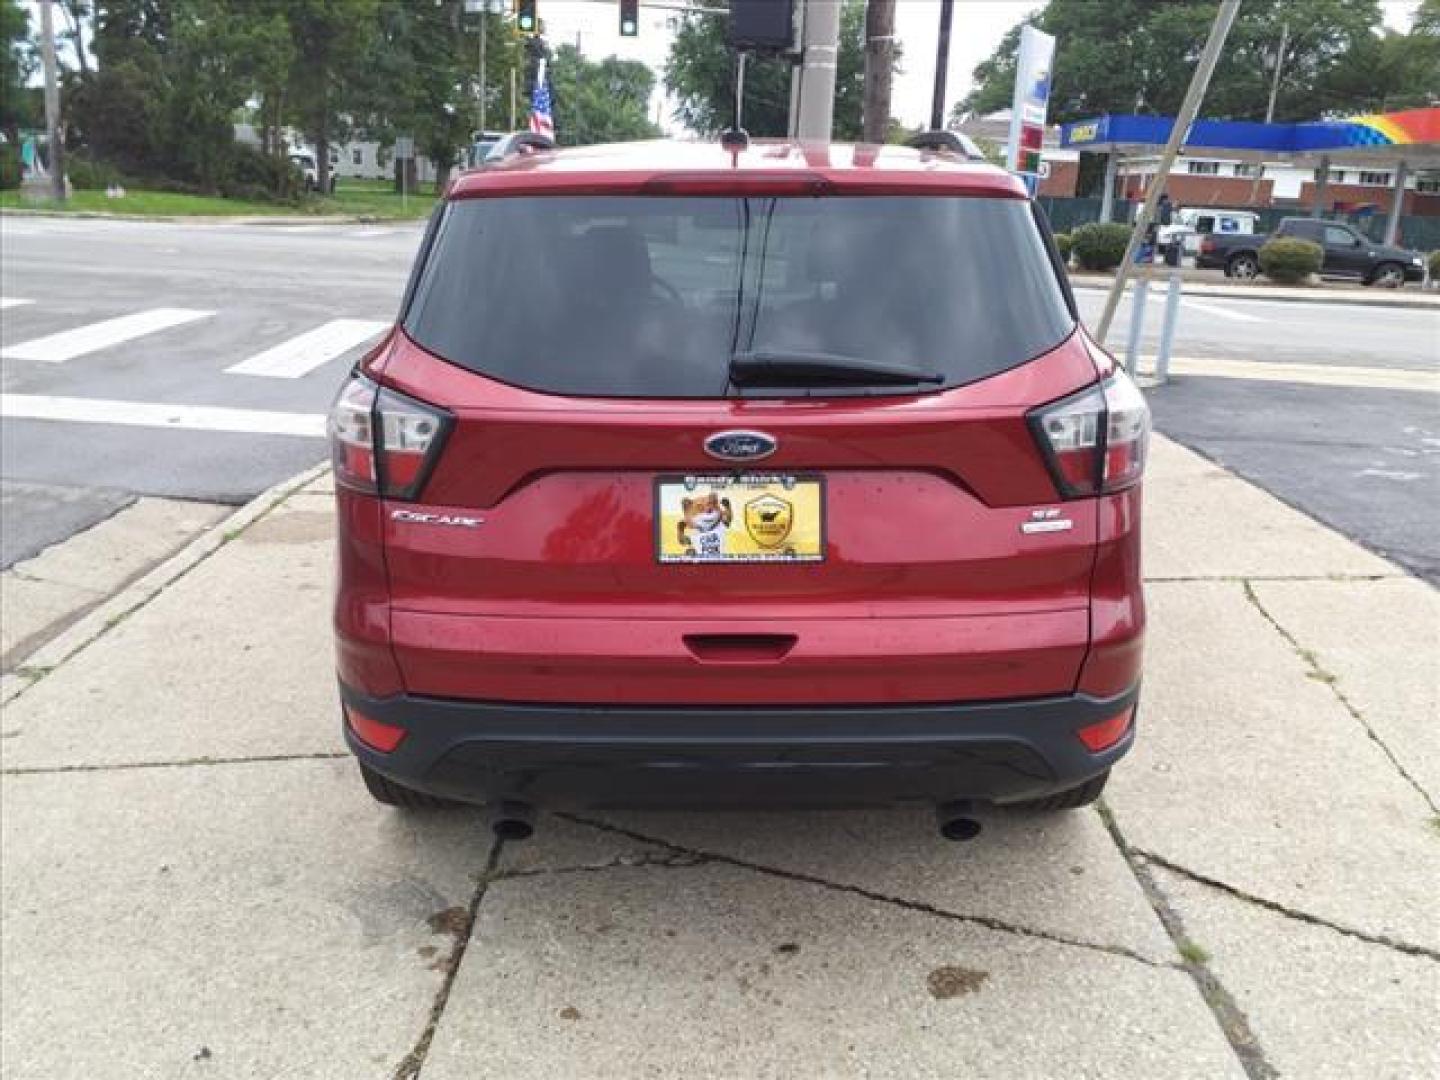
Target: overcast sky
point(977, 29)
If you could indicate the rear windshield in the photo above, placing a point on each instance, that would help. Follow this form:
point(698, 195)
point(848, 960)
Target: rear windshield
point(648, 296)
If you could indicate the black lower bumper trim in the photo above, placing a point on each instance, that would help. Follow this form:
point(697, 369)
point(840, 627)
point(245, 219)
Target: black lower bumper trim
point(616, 756)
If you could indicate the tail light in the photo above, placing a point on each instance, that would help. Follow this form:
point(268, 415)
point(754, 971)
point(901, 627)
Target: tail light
point(1207, 245)
point(384, 442)
point(1095, 441)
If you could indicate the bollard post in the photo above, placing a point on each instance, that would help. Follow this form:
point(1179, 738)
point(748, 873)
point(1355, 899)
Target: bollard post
point(1167, 328)
point(1138, 299)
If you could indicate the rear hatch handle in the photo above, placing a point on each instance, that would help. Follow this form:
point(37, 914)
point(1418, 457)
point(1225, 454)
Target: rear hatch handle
point(740, 648)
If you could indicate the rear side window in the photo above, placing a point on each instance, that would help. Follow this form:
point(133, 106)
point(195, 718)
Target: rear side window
point(649, 296)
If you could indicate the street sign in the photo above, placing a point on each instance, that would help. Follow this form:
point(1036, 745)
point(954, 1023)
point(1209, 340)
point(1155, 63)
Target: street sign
point(1033, 65)
point(404, 147)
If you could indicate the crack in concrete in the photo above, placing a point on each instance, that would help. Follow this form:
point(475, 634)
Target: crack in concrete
point(1278, 908)
point(676, 859)
point(698, 857)
point(177, 763)
point(410, 1065)
point(1234, 1024)
point(1330, 679)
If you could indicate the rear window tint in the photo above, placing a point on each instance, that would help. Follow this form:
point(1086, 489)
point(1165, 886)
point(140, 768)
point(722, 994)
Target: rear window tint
point(641, 296)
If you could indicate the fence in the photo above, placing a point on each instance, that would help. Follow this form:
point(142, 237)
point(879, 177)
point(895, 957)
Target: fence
point(1420, 233)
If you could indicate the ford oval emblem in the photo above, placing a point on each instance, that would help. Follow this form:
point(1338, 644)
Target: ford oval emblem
point(740, 445)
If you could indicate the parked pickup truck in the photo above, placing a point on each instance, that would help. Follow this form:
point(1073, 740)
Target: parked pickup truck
point(1348, 254)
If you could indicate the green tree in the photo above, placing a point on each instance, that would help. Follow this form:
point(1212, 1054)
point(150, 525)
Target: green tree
point(421, 79)
point(700, 72)
point(1136, 56)
point(600, 102)
point(16, 66)
point(330, 39)
point(170, 76)
point(1388, 71)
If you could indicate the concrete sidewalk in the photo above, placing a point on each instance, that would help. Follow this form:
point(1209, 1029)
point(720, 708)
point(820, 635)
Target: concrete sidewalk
point(1201, 283)
point(195, 883)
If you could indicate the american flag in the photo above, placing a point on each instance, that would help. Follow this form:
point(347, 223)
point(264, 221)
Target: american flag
point(541, 122)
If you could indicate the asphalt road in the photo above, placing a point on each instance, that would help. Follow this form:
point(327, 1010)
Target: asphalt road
point(242, 291)
point(290, 306)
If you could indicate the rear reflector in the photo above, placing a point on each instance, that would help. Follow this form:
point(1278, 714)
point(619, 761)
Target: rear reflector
point(1106, 733)
point(374, 734)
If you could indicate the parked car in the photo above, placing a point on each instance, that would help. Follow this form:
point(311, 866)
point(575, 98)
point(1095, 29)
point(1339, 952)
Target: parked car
point(1348, 253)
point(304, 161)
point(751, 476)
point(481, 143)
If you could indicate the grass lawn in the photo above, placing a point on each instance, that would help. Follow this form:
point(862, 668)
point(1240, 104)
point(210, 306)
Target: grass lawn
point(366, 198)
point(377, 198)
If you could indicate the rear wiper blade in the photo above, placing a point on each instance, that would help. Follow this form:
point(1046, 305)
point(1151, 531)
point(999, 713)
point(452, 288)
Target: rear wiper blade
point(782, 368)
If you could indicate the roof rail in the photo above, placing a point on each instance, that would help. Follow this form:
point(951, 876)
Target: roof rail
point(947, 142)
point(532, 139)
point(515, 143)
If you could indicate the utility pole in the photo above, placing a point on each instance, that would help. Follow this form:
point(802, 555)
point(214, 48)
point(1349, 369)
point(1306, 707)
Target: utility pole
point(817, 81)
point(1199, 83)
point(942, 66)
point(56, 148)
point(1270, 105)
point(480, 104)
point(1279, 63)
point(879, 67)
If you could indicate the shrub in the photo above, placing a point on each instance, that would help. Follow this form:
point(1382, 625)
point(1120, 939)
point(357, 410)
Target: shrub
point(253, 174)
point(10, 169)
point(1066, 243)
point(1100, 245)
point(87, 174)
point(1288, 261)
point(1435, 266)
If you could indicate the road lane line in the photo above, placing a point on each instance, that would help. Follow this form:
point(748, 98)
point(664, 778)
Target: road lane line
point(68, 344)
point(310, 350)
point(1208, 309)
point(156, 414)
point(7, 302)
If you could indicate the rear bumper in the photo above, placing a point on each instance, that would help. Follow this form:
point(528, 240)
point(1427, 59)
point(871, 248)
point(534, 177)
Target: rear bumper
point(616, 756)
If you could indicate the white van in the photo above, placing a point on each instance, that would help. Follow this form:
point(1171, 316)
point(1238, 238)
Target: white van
point(1190, 224)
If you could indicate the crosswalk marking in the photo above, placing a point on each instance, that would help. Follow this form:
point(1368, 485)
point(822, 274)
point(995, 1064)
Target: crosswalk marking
point(160, 415)
point(68, 344)
point(7, 302)
point(310, 350)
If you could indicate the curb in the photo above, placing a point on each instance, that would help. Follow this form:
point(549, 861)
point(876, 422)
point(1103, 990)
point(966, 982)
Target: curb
point(209, 219)
point(1338, 296)
point(99, 620)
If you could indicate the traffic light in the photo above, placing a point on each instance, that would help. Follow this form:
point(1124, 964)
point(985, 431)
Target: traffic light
point(763, 25)
point(525, 17)
point(629, 18)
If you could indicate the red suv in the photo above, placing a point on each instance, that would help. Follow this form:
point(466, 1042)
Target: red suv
point(697, 477)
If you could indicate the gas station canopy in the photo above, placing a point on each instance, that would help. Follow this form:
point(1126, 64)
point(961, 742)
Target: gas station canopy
point(1381, 139)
